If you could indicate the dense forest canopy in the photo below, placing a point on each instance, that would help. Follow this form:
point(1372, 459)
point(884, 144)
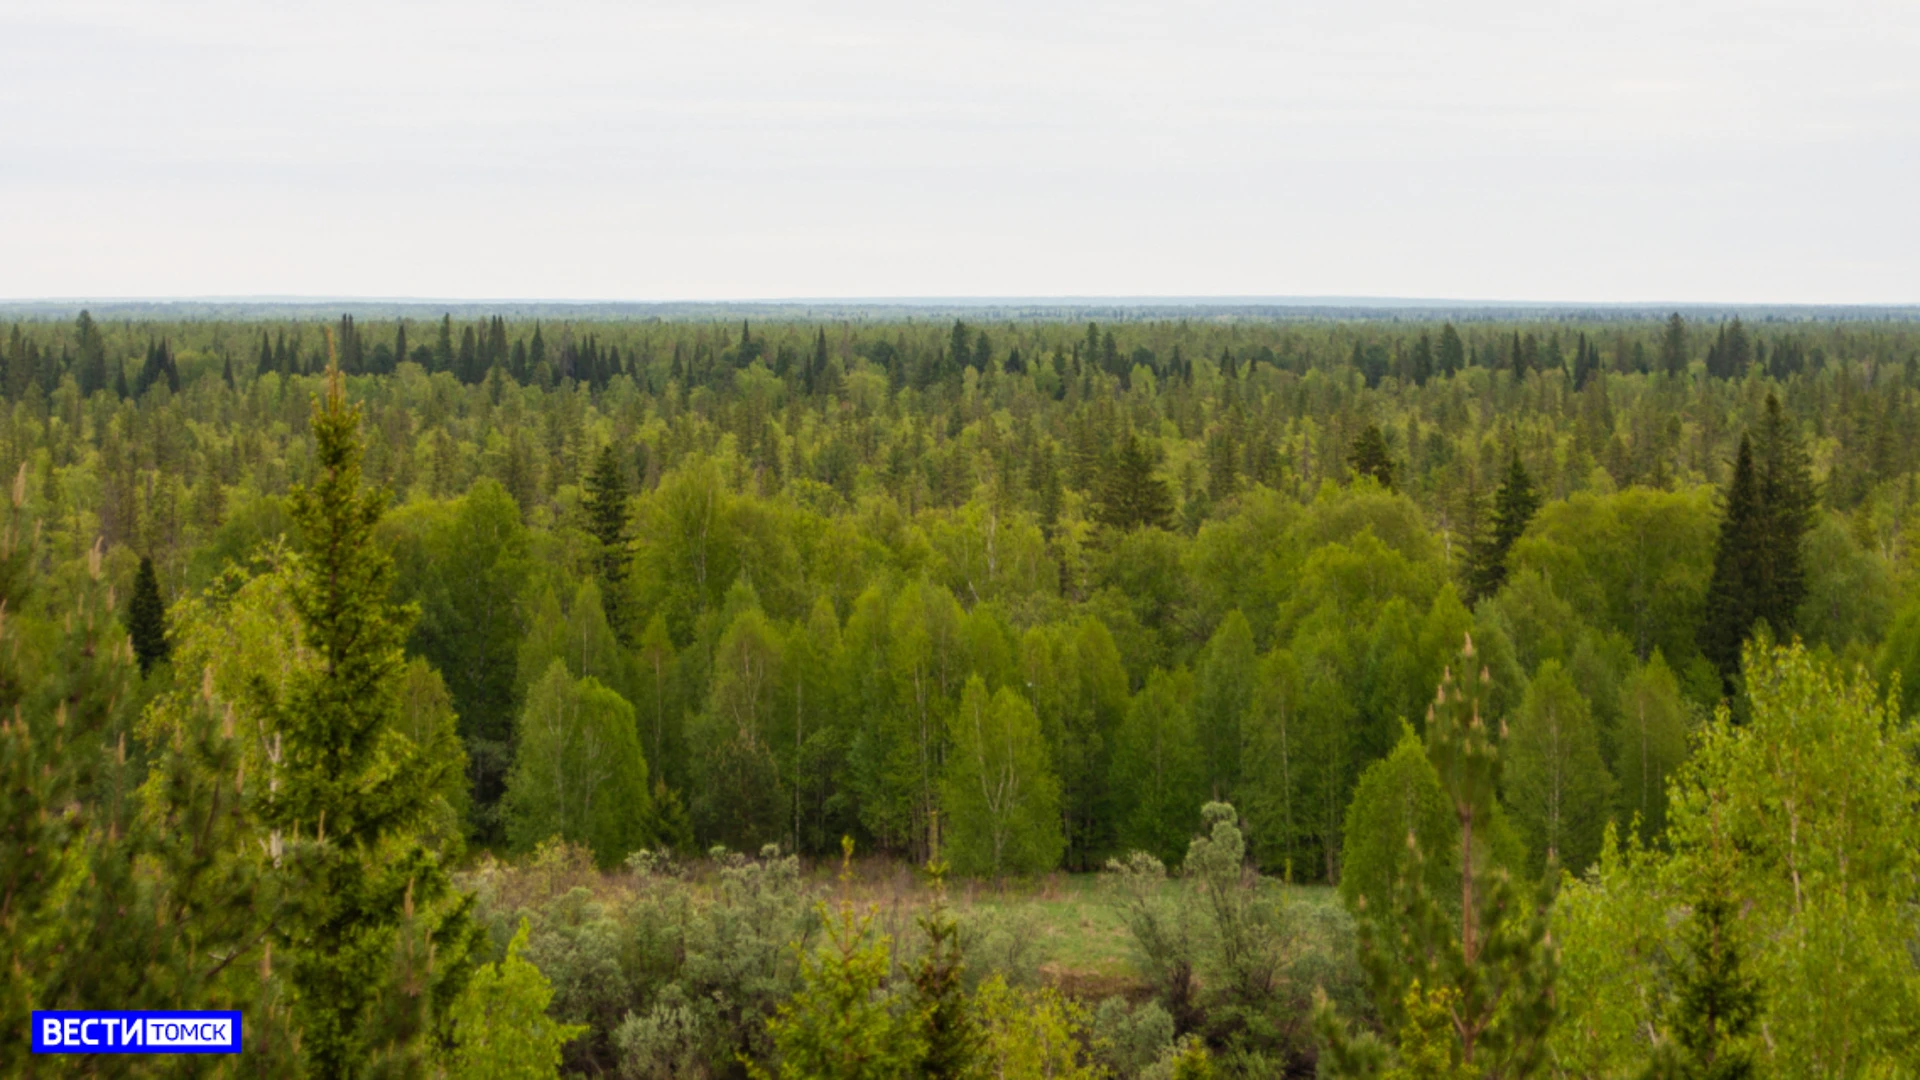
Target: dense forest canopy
point(1017, 594)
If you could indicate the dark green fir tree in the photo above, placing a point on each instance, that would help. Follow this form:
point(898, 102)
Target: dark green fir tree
point(147, 619)
point(1740, 577)
point(1716, 999)
point(1369, 456)
point(1514, 504)
point(1759, 572)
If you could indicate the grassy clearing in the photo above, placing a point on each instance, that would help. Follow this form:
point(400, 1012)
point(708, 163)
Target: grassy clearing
point(1068, 928)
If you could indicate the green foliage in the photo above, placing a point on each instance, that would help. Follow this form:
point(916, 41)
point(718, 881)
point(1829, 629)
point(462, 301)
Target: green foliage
point(1003, 803)
point(1032, 1034)
point(844, 1022)
point(1226, 677)
point(1556, 784)
point(1649, 743)
point(1131, 496)
point(500, 1024)
point(1370, 458)
point(1397, 809)
point(1813, 801)
point(1612, 929)
point(578, 773)
point(1157, 763)
point(466, 566)
point(828, 534)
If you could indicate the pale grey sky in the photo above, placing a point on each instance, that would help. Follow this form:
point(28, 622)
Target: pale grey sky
point(1676, 150)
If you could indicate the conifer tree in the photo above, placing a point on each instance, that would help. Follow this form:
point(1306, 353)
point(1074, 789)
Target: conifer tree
point(443, 346)
point(1716, 999)
point(352, 788)
point(1131, 496)
point(1514, 504)
point(1673, 346)
point(1369, 456)
point(950, 1036)
point(843, 1024)
point(90, 368)
point(1743, 590)
point(606, 506)
point(147, 618)
point(1452, 354)
point(1786, 493)
point(1485, 951)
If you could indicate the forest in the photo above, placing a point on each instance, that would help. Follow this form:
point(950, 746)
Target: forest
point(1488, 696)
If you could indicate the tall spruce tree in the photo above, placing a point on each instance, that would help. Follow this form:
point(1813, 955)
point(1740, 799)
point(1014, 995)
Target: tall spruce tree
point(1739, 568)
point(1369, 456)
point(90, 369)
point(147, 618)
point(1131, 495)
point(1673, 346)
point(353, 790)
point(1514, 504)
point(606, 506)
point(1787, 496)
point(1758, 565)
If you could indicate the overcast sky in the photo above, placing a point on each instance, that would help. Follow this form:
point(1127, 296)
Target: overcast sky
point(1606, 151)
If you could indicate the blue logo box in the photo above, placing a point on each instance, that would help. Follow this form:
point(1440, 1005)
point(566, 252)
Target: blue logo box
point(91, 1031)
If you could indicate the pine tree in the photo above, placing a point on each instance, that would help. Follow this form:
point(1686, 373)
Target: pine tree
point(1487, 950)
point(1369, 456)
point(147, 618)
point(1514, 504)
point(353, 789)
point(1131, 496)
